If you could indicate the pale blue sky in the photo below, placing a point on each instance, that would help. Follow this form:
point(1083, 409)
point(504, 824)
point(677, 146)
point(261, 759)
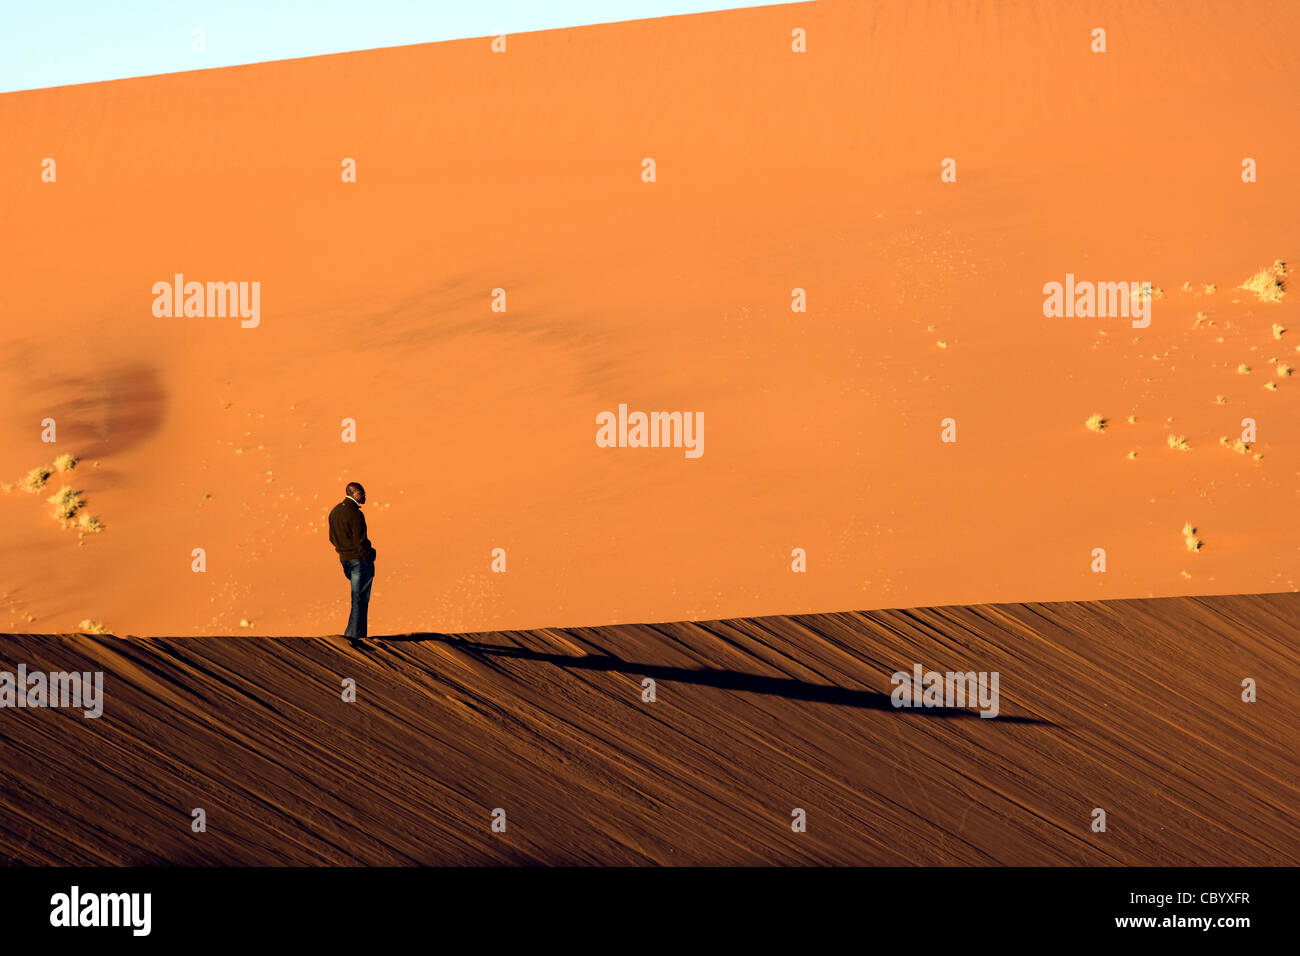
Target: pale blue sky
point(60, 42)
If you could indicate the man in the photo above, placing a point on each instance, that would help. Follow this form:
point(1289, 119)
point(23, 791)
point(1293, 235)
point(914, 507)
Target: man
point(348, 535)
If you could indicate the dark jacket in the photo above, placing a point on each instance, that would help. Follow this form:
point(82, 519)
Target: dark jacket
point(348, 532)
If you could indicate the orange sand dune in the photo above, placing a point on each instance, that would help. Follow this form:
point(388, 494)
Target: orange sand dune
point(776, 170)
point(1133, 707)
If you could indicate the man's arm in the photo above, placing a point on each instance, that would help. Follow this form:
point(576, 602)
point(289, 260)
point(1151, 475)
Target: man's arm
point(362, 542)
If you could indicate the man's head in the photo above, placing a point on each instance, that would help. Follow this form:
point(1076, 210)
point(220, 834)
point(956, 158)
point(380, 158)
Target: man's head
point(355, 492)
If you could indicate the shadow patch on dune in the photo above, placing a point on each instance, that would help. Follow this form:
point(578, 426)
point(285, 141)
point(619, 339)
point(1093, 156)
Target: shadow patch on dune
point(111, 413)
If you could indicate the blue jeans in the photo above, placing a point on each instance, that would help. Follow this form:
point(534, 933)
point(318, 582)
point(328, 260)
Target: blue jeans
point(362, 574)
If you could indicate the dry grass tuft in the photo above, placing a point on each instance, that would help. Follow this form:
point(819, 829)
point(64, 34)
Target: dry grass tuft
point(67, 501)
point(88, 524)
point(1267, 284)
point(35, 479)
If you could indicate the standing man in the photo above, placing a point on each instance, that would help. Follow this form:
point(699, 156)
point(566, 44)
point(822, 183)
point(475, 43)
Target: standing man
point(348, 535)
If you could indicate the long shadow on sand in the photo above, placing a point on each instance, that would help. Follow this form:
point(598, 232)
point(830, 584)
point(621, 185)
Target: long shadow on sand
point(786, 687)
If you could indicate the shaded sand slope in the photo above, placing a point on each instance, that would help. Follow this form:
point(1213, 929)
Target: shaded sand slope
point(1132, 706)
